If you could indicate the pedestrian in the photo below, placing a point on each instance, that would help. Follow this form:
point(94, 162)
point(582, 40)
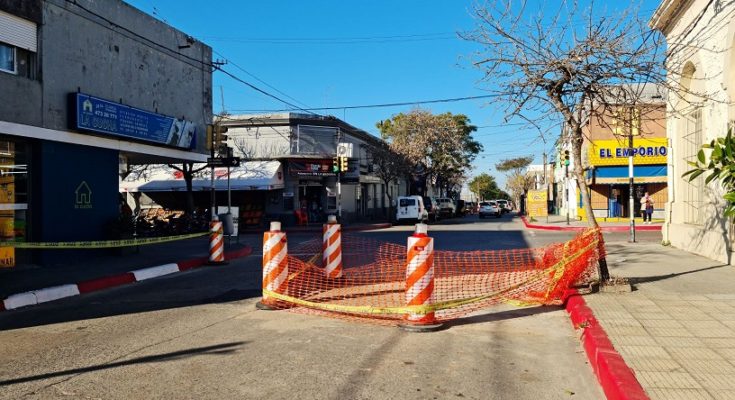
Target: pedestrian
point(647, 208)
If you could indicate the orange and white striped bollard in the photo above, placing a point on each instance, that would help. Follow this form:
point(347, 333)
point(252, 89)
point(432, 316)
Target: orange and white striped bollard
point(216, 242)
point(420, 281)
point(332, 248)
point(275, 265)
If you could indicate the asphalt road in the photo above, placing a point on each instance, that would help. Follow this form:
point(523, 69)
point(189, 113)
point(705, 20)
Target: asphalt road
point(197, 335)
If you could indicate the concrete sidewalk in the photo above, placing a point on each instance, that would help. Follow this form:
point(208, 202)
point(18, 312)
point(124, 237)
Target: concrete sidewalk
point(676, 330)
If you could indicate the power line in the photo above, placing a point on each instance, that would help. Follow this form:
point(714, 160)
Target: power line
point(383, 105)
point(257, 89)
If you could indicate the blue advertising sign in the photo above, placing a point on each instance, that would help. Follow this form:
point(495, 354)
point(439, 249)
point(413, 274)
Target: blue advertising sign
point(98, 115)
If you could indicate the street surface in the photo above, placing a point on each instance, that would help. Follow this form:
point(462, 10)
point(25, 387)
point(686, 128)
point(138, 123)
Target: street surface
point(197, 335)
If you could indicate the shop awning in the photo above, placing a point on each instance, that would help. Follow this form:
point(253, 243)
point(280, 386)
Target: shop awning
point(251, 175)
point(619, 174)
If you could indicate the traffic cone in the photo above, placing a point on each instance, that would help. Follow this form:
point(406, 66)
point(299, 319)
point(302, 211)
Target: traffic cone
point(216, 242)
point(332, 248)
point(275, 265)
point(420, 281)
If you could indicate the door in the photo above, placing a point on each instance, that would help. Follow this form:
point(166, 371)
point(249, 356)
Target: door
point(407, 208)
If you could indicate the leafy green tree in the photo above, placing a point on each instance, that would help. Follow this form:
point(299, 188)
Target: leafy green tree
point(721, 168)
point(439, 147)
point(485, 187)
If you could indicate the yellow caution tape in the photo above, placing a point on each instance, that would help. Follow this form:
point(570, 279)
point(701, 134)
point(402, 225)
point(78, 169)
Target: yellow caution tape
point(427, 308)
point(100, 244)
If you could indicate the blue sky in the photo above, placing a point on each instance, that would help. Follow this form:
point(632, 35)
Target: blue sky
point(348, 53)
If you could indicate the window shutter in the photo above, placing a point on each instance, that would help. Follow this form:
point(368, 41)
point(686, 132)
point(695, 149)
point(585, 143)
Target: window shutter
point(18, 32)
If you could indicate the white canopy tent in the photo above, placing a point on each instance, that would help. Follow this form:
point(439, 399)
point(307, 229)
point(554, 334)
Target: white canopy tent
point(251, 175)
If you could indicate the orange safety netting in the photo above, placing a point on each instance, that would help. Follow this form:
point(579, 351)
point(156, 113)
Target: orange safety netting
point(374, 281)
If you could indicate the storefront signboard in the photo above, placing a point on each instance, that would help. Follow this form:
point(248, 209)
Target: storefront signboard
point(613, 152)
point(310, 167)
point(537, 203)
point(103, 116)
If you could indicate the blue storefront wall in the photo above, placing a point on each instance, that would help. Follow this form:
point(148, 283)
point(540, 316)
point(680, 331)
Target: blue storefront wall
point(79, 196)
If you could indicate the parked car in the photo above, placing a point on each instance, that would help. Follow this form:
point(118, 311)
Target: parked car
point(471, 207)
point(432, 208)
point(411, 208)
point(489, 208)
point(504, 205)
point(446, 207)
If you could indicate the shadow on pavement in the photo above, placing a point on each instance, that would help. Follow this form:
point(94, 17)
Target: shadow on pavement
point(221, 349)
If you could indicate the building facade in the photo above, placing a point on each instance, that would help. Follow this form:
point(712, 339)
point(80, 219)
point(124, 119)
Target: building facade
point(700, 65)
point(89, 87)
point(606, 153)
point(305, 145)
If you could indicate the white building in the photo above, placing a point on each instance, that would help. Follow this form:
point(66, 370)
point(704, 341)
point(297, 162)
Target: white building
point(701, 62)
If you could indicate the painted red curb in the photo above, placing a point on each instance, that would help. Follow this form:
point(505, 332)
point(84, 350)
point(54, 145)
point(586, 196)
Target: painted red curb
point(617, 380)
point(652, 228)
point(107, 282)
point(93, 285)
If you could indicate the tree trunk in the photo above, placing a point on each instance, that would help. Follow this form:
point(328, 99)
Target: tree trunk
point(188, 178)
point(602, 269)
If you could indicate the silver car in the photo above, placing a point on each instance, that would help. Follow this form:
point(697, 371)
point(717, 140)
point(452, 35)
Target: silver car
point(489, 208)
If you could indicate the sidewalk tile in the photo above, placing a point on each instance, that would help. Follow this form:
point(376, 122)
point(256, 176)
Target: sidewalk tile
point(679, 394)
point(719, 343)
point(712, 332)
point(705, 325)
point(670, 380)
point(722, 296)
point(655, 364)
point(661, 323)
point(624, 330)
point(652, 315)
point(693, 353)
point(723, 394)
point(631, 322)
point(727, 352)
point(669, 332)
point(709, 367)
point(643, 351)
point(634, 340)
point(715, 381)
point(613, 314)
point(668, 341)
point(726, 316)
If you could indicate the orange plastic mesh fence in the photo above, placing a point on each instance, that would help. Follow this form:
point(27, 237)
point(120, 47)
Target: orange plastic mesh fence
point(374, 282)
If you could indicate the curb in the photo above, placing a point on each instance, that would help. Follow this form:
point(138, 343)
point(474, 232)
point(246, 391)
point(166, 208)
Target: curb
point(52, 293)
point(618, 381)
point(653, 228)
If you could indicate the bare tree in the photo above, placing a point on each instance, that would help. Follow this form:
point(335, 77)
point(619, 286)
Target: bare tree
point(551, 67)
point(518, 182)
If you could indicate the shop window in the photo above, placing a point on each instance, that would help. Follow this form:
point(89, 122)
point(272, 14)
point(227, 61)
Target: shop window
point(7, 58)
point(13, 197)
point(315, 140)
point(17, 61)
point(693, 191)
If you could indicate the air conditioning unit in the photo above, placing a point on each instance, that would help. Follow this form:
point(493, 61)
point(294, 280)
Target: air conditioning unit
point(344, 150)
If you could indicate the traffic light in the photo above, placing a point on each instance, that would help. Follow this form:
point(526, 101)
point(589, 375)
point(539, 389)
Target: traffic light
point(335, 164)
point(566, 157)
point(343, 164)
point(220, 139)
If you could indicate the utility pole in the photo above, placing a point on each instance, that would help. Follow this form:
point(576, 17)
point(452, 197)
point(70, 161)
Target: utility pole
point(631, 185)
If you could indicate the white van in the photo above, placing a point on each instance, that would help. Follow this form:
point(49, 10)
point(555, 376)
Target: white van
point(411, 208)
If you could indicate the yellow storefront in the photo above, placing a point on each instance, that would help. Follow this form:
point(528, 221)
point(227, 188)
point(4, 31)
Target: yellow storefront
point(608, 175)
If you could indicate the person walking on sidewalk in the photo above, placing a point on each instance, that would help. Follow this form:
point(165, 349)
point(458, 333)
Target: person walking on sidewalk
point(647, 208)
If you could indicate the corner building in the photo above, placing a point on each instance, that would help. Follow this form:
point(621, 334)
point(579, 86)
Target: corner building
point(89, 88)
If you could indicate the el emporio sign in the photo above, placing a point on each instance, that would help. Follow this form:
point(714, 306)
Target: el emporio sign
point(613, 152)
